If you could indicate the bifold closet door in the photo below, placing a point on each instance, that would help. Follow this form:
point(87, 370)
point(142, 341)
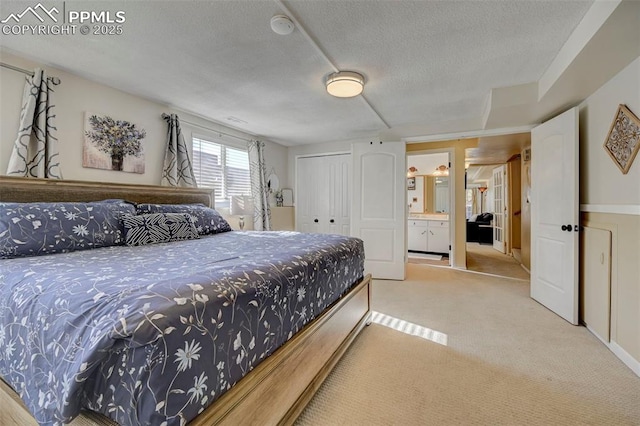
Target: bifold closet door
point(323, 194)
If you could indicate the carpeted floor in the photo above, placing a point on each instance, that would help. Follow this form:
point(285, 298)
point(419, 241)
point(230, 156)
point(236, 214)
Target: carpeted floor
point(484, 258)
point(507, 361)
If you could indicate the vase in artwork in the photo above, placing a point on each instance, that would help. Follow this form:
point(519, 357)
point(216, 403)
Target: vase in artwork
point(116, 161)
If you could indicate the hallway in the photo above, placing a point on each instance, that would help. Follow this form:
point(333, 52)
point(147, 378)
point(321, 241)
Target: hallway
point(485, 259)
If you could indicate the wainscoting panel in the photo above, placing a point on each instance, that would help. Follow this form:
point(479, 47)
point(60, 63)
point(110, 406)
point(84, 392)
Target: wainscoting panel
point(596, 281)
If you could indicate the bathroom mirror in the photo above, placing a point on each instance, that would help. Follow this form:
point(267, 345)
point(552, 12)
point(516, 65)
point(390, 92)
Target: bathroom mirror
point(441, 194)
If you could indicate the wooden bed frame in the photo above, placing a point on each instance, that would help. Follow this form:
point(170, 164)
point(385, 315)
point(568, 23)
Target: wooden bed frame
point(279, 388)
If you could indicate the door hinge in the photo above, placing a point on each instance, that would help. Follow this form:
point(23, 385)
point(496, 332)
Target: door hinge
point(449, 246)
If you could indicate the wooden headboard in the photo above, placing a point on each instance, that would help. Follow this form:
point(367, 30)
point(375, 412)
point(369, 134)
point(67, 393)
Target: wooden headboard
point(27, 190)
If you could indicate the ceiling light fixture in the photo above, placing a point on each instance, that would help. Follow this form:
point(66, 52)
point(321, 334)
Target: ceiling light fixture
point(282, 24)
point(345, 84)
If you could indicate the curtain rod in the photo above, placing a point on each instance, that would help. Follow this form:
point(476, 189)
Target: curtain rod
point(214, 130)
point(11, 67)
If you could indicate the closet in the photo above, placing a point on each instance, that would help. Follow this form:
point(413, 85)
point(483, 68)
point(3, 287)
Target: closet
point(323, 185)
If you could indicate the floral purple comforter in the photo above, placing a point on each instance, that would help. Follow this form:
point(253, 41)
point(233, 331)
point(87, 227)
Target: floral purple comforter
point(152, 335)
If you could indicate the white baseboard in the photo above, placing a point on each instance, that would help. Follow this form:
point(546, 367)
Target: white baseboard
point(618, 351)
point(596, 334)
point(525, 268)
point(625, 357)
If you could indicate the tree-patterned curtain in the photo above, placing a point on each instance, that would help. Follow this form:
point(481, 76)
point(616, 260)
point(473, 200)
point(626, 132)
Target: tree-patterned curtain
point(259, 188)
point(177, 169)
point(35, 150)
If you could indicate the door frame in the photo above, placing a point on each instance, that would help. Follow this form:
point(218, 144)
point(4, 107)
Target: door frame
point(452, 200)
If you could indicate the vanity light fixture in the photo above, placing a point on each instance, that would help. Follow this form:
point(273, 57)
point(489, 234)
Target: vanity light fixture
point(441, 170)
point(345, 84)
point(411, 171)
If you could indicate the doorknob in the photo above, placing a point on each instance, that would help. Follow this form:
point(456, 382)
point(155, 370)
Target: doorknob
point(316, 221)
point(567, 228)
point(332, 221)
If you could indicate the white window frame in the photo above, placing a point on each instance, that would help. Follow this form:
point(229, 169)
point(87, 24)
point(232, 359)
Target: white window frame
point(225, 201)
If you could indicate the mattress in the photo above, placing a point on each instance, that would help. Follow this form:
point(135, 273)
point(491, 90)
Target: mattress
point(154, 334)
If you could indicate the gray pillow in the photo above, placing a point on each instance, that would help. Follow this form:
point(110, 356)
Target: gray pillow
point(32, 229)
point(206, 220)
point(158, 228)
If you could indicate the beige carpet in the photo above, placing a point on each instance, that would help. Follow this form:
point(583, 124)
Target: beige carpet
point(507, 361)
point(484, 258)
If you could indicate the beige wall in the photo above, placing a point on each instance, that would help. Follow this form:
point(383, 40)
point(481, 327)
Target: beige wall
point(460, 256)
point(76, 95)
point(605, 193)
point(601, 182)
point(625, 273)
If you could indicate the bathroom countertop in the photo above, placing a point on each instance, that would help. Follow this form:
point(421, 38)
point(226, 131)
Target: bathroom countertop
point(428, 217)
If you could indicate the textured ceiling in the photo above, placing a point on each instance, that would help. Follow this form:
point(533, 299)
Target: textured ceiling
point(425, 62)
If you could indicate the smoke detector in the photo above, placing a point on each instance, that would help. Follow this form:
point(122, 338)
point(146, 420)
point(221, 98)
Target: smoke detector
point(281, 24)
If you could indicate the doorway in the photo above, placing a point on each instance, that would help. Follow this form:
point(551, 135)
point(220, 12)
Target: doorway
point(428, 208)
point(497, 219)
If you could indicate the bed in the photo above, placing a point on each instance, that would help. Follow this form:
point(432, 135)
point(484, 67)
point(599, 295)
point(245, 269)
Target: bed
point(267, 380)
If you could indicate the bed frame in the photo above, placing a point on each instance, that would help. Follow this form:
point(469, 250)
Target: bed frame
point(279, 388)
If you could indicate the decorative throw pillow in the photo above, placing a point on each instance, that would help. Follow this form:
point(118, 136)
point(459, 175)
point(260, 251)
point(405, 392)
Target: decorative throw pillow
point(206, 220)
point(32, 229)
point(158, 228)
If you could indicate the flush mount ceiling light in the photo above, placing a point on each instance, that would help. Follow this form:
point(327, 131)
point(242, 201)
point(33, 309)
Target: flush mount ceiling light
point(281, 24)
point(345, 84)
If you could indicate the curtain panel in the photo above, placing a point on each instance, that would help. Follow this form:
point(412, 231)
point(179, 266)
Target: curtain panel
point(177, 169)
point(259, 188)
point(35, 150)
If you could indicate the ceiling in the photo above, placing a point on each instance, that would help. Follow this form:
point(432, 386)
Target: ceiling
point(430, 66)
point(497, 149)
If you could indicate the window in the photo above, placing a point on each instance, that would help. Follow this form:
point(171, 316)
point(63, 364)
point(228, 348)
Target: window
point(221, 167)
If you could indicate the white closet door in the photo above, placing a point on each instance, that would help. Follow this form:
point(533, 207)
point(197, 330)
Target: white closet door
point(323, 194)
point(307, 219)
point(338, 168)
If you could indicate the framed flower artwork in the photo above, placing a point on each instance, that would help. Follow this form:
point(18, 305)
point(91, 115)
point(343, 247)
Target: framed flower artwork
point(113, 144)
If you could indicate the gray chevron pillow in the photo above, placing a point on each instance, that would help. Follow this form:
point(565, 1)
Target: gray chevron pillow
point(158, 228)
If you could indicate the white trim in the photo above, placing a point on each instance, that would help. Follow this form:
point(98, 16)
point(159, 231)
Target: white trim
point(619, 352)
point(625, 357)
point(633, 209)
point(596, 334)
point(469, 134)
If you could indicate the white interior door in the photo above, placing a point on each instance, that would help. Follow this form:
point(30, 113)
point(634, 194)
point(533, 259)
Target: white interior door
point(378, 206)
point(555, 214)
point(499, 208)
point(308, 183)
point(338, 168)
